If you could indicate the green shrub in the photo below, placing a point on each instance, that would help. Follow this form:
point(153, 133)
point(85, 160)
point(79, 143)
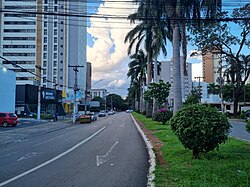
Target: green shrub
point(47, 116)
point(248, 126)
point(200, 128)
point(162, 115)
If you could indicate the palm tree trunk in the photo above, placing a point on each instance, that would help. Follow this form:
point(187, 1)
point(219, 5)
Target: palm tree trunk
point(177, 69)
point(156, 81)
point(149, 79)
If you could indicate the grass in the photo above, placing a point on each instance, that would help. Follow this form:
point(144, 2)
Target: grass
point(227, 166)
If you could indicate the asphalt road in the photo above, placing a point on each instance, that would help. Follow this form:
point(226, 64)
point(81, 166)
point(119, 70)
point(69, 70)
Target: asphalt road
point(108, 152)
point(238, 130)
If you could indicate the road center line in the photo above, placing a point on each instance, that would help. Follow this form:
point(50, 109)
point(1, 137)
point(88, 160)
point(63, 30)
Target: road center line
point(53, 159)
point(47, 141)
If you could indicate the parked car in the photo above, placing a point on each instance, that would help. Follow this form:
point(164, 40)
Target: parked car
point(82, 118)
point(8, 119)
point(93, 117)
point(247, 116)
point(102, 114)
point(110, 113)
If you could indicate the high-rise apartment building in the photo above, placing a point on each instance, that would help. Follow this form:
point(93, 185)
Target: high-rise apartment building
point(211, 64)
point(52, 40)
point(167, 76)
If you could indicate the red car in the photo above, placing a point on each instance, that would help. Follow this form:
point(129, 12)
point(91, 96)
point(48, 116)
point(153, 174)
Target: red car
point(8, 119)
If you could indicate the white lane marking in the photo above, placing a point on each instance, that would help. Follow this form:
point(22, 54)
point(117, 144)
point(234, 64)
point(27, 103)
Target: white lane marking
point(47, 141)
point(101, 159)
point(29, 155)
point(110, 122)
point(51, 160)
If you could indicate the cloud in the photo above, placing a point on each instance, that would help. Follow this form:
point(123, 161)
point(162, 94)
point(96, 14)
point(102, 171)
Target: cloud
point(108, 54)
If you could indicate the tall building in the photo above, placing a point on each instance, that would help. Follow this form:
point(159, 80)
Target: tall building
point(211, 63)
point(167, 76)
point(89, 76)
point(51, 40)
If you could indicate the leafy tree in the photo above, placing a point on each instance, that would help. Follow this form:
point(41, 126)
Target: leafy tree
point(213, 89)
point(219, 37)
point(159, 91)
point(192, 98)
point(114, 101)
point(200, 128)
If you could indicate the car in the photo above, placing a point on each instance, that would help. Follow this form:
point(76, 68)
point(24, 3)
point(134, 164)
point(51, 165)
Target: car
point(7, 118)
point(82, 118)
point(93, 117)
point(102, 114)
point(110, 113)
point(129, 111)
point(247, 116)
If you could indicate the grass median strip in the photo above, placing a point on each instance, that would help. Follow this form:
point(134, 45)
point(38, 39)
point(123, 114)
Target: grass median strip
point(227, 166)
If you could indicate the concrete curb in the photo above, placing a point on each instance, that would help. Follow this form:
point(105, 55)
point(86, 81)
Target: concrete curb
point(151, 170)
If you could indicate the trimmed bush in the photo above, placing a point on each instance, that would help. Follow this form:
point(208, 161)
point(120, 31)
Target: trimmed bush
point(200, 128)
point(162, 115)
point(248, 126)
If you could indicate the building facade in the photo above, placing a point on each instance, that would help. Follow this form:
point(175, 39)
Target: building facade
point(211, 63)
point(167, 76)
point(46, 44)
point(98, 93)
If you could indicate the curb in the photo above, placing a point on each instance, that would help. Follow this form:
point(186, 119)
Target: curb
point(151, 170)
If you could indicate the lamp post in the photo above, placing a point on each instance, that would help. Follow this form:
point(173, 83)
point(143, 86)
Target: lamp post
point(75, 68)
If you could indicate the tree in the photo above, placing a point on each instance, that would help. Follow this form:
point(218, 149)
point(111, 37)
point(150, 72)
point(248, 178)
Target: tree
point(159, 91)
point(213, 89)
point(114, 101)
point(137, 73)
point(176, 12)
point(220, 38)
point(153, 32)
point(192, 98)
point(200, 128)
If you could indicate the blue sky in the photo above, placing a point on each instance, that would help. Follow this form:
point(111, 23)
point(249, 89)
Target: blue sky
point(108, 53)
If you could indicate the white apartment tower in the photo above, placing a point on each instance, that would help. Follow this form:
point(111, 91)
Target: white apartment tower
point(167, 76)
point(41, 33)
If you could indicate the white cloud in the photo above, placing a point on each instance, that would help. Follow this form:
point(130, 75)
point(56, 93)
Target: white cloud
point(108, 55)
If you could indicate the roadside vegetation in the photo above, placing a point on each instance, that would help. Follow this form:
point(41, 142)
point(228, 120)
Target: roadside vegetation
point(229, 165)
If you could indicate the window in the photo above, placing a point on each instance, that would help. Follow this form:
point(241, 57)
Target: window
point(55, 1)
point(54, 71)
point(45, 55)
point(61, 46)
point(61, 30)
point(55, 55)
point(55, 32)
point(55, 24)
point(45, 8)
point(44, 63)
point(55, 47)
point(45, 1)
point(55, 39)
point(44, 72)
point(55, 9)
point(45, 24)
point(61, 53)
point(45, 31)
point(45, 48)
point(55, 16)
point(55, 63)
point(44, 79)
point(45, 39)
point(61, 61)
point(54, 79)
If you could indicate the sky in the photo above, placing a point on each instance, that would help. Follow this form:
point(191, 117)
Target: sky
point(107, 51)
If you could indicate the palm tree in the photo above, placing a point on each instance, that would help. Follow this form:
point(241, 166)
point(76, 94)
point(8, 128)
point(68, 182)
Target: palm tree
point(177, 11)
point(154, 34)
point(213, 89)
point(137, 73)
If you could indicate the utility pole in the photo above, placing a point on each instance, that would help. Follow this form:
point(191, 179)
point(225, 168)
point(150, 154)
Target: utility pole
point(199, 85)
point(39, 92)
point(75, 68)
